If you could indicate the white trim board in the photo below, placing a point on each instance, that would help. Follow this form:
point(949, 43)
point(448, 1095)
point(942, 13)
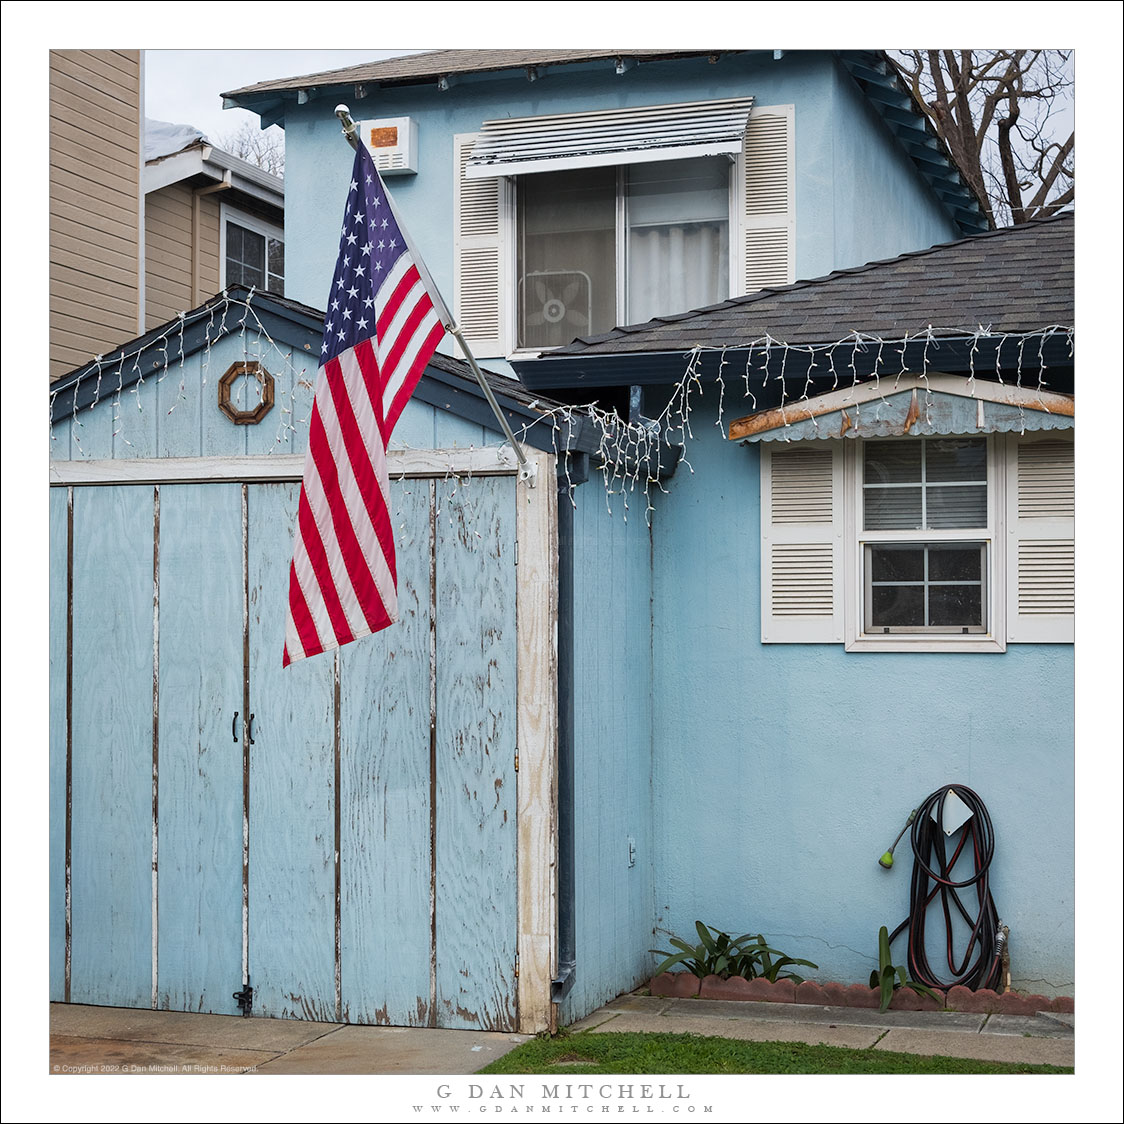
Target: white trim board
point(495, 461)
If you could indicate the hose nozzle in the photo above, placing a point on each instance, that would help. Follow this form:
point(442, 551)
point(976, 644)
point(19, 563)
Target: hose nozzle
point(887, 860)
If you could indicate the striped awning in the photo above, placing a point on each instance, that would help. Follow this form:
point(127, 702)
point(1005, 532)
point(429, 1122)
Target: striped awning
point(515, 146)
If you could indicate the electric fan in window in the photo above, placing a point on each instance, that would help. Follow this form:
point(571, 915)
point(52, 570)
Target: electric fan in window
point(557, 307)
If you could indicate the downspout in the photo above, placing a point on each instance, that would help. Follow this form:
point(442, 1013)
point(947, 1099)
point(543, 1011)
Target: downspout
point(577, 473)
point(196, 221)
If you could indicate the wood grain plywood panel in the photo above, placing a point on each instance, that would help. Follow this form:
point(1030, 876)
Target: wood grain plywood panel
point(111, 849)
point(475, 792)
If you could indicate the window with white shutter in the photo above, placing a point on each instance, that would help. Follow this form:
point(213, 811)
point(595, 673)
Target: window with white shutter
point(949, 543)
point(555, 253)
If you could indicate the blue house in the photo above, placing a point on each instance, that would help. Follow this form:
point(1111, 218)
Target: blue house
point(702, 692)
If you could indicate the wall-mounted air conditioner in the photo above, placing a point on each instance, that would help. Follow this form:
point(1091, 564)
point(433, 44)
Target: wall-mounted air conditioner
point(393, 144)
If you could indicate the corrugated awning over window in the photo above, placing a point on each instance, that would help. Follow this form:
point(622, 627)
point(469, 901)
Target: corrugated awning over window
point(521, 145)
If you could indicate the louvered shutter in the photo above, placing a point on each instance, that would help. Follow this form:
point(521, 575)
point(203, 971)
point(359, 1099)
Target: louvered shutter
point(479, 256)
point(802, 542)
point(1040, 568)
point(767, 204)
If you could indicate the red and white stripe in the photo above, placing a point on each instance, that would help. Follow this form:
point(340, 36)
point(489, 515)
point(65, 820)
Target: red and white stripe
point(342, 584)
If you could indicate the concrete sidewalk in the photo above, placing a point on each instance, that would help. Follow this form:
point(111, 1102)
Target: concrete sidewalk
point(116, 1040)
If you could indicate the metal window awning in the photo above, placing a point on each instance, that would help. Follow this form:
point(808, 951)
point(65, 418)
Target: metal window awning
point(515, 146)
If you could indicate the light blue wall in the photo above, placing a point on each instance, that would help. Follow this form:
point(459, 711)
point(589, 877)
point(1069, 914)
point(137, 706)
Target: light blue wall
point(612, 748)
point(782, 772)
point(174, 412)
point(881, 207)
point(857, 196)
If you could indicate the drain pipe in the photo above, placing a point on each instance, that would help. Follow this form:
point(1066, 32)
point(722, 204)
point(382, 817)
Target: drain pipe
point(578, 473)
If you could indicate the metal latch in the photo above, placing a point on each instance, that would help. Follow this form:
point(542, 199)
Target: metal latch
point(245, 999)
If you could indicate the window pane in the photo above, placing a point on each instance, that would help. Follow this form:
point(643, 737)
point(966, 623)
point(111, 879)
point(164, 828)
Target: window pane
point(955, 460)
point(897, 606)
point(955, 563)
point(892, 462)
point(897, 563)
point(567, 255)
point(245, 256)
point(275, 280)
point(956, 507)
point(956, 606)
point(678, 236)
point(892, 509)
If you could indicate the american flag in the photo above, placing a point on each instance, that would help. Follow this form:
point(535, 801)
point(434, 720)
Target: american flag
point(380, 329)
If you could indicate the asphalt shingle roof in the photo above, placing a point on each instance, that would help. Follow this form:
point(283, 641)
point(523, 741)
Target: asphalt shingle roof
point(1016, 279)
point(433, 64)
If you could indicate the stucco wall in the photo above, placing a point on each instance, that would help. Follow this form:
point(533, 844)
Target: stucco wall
point(857, 197)
point(782, 772)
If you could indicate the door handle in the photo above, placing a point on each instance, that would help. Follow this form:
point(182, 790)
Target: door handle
point(251, 729)
point(233, 723)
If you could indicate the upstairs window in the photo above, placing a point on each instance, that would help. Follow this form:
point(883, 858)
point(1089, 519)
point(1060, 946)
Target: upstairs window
point(568, 225)
point(253, 253)
point(604, 246)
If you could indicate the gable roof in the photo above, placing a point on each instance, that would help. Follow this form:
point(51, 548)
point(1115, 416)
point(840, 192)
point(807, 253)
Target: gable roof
point(448, 383)
point(1014, 280)
point(431, 65)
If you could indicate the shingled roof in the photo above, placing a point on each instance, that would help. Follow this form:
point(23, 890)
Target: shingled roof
point(1015, 279)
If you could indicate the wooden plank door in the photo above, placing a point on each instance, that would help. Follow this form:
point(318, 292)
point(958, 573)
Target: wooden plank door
point(199, 811)
point(475, 862)
point(292, 785)
point(111, 832)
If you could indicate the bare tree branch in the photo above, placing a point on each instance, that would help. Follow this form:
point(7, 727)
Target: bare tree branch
point(997, 111)
point(266, 149)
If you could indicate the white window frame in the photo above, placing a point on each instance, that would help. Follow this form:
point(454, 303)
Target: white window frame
point(509, 214)
point(228, 214)
point(995, 577)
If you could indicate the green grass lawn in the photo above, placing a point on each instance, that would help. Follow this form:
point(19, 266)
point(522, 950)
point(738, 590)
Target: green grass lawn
point(690, 1053)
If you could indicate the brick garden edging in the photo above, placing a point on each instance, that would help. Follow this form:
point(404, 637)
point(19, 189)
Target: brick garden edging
point(683, 985)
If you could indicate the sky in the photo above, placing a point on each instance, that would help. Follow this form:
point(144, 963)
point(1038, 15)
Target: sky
point(183, 86)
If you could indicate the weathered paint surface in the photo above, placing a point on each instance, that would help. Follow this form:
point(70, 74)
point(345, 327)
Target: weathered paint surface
point(781, 773)
point(612, 748)
point(56, 883)
point(292, 790)
point(857, 196)
point(111, 851)
point(175, 413)
point(477, 924)
point(385, 798)
point(200, 761)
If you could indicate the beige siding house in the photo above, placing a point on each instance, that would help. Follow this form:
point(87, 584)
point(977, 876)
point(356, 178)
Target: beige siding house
point(96, 203)
point(146, 219)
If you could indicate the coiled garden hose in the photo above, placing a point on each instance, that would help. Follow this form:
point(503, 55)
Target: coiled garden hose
point(981, 965)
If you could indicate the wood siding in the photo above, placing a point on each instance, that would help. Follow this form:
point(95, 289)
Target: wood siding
point(168, 258)
point(95, 203)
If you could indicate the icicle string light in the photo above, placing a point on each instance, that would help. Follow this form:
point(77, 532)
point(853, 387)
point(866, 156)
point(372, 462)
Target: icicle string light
point(626, 454)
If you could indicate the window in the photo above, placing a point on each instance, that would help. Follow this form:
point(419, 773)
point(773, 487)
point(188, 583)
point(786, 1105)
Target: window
point(253, 253)
point(956, 544)
point(547, 249)
point(925, 536)
point(598, 247)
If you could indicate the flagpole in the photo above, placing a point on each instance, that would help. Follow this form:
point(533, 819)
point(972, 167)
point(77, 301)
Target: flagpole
point(527, 469)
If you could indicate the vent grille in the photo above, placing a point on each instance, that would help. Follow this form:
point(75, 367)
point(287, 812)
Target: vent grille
point(802, 486)
point(802, 581)
point(1046, 480)
point(1046, 576)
